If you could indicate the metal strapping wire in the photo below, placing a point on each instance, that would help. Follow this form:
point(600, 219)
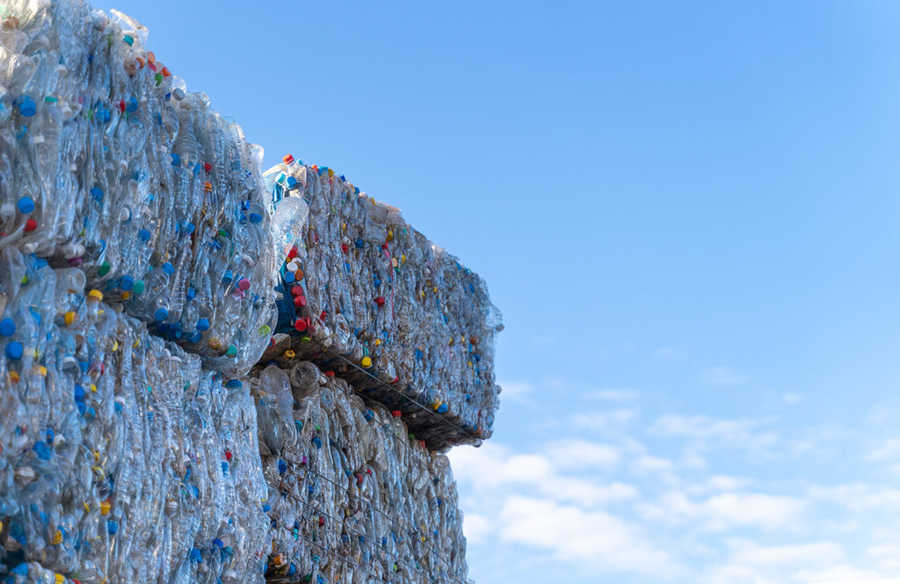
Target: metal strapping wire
point(381, 383)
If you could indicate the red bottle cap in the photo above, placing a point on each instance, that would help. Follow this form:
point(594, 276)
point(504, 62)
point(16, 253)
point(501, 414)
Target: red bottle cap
point(288, 159)
point(296, 290)
point(396, 413)
point(380, 301)
point(207, 167)
point(30, 225)
point(293, 252)
point(300, 324)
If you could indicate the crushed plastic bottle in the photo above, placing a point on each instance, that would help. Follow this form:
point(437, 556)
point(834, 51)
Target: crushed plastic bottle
point(352, 498)
point(108, 164)
point(121, 455)
point(408, 324)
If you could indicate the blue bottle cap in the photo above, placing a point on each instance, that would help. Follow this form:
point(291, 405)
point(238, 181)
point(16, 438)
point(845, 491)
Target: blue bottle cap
point(255, 218)
point(97, 193)
point(227, 277)
point(168, 269)
point(289, 277)
point(14, 350)
point(25, 205)
point(218, 543)
point(203, 324)
point(291, 182)
point(7, 327)
point(112, 526)
point(79, 393)
point(234, 384)
point(161, 314)
point(27, 107)
point(132, 105)
point(126, 283)
point(189, 227)
point(176, 160)
point(144, 235)
point(191, 293)
point(42, 450)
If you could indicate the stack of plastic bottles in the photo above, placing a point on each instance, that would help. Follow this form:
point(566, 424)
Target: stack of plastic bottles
point(108, 163)
point(121, 459)
point(352, 498)
point(368, 296)
point(141, 257)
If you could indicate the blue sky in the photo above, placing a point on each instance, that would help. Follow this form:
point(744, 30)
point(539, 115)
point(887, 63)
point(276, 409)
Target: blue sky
point(687, 214)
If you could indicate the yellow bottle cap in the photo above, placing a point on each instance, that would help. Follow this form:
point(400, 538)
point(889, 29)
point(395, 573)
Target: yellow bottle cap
point(69, 317)
point(126, 295)
point(366, 362)
point(104, 508)
point(57, 537)
point(289, 354)
point(95, 295)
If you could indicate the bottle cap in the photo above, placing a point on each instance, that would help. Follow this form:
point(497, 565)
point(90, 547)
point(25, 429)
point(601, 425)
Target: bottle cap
point(288, 159)
point(27, 107)
point(300, 324)
point(95, 295)
point(7, 327)
point(168, 269)
point(191, 292)
point(69, 318)
point(25, 205)
point(97, 194)
point(231, 351)
point(138, 287)
point(14, 350)
point(255, 218)
point(379, 301)
point(126, 282)
point(161, 314)
point(366, 362)
point(244, 284)
point(203, 324)
point(104, 269)
point(30, 225)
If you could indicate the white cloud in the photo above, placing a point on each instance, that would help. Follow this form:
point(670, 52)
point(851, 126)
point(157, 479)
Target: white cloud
point(571, 533)
point(651, 464)
point(617, 395)
point(515, 389)
point(494, 467)
point(859, 497)
point(702, 429)
point(476, 527)
point(601, 420)
point(792, 398)
point(579, 454)
point(844, 574)
point(725, 511)
point(890, 450)
point(722, 376)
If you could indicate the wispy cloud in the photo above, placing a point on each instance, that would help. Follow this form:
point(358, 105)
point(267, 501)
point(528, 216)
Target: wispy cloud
point(600, 420)
point(614, 395)
point(722, 375)
point(515, 389)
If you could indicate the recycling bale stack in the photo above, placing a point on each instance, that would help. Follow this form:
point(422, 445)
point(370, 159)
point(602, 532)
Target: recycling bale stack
point(109, 164)
point(121, 459)
point(369, 297)
point(351, 497)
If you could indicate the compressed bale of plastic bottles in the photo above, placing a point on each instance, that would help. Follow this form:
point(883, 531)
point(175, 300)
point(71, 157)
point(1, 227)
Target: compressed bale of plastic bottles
point(352, 499)
point(398, 316)
point(108, 163)
point(121, 458)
